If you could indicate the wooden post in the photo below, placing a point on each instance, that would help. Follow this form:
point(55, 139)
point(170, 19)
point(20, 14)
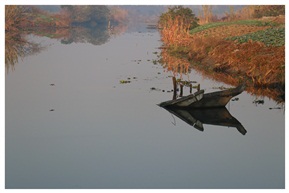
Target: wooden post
point(175, 88)
point(174, 83)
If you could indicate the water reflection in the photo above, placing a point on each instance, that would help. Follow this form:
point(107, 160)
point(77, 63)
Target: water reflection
point(196, 117)
point(201, 100)
point(17, 46)
point(212, 116)
point(96, 35)
point(174, 64)
point(182, 66)
point(78, 136)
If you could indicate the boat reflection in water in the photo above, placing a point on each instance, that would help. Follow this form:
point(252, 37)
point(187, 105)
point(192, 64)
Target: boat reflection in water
point(211, 116)
point(198, 108)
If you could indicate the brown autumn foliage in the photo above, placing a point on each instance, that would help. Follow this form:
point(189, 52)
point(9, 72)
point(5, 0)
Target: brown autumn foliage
point(261, 67)
point(22, 18)
point(175, 31)
point(207, 15)
point(182, 66)
point(174, 64)
point(17, 47)
point(254, 62)
point(14, 17)
point(254, 11)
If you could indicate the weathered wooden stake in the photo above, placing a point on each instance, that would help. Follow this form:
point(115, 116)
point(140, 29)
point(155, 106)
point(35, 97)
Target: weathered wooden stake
point(175, 83)
point(175, 88)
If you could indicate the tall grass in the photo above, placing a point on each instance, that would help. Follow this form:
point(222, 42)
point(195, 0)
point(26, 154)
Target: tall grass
point(182, 66)
point(16, 47)
point(14, 17)
point(261, 65)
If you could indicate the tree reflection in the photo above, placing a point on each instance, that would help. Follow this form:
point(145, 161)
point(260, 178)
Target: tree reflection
point(17, 46)
point(95, 36)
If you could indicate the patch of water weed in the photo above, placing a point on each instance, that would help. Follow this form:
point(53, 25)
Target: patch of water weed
point(155, 62)
point(257, 102)
point(158, 89)
point(124, 81)
point(129, 79)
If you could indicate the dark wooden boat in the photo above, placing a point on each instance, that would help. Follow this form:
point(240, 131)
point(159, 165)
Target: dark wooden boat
point(201, 100)
point(212, 116)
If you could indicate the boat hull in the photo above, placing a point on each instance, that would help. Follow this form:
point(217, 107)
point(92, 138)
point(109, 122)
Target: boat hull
point(210, 102)
point(200, 100)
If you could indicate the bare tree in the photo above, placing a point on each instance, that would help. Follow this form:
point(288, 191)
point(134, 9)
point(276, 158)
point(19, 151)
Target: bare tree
point(207, 12)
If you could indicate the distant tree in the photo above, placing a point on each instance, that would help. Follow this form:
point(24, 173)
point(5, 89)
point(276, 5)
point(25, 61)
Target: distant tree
point(246, 12)
point(231, 15)
point(258, 11)
point(268, 10)
point(232, 12)
point(87, 14)
point(207, 13)
point(118, 15)
point(95, 36)
point(185, 16)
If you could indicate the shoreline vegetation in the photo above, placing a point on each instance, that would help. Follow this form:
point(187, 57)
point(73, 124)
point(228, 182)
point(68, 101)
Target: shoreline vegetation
point(243, 46)
point(93, 24)
point(250, 50)
point(25, 17)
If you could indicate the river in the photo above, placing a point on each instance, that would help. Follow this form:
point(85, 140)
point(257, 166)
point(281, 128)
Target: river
point(80, 115)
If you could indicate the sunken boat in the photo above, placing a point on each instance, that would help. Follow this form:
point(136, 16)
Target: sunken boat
point(208, 100)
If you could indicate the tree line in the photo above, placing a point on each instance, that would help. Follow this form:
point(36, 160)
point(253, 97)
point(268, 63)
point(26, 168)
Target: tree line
point(19, 17)
point(206, 15)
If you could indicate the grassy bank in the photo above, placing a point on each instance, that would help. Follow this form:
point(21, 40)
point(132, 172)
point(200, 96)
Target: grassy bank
point(247, 50)
point(240, 22)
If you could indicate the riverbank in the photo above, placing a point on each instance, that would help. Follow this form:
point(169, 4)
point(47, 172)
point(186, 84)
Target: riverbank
point(251, 51)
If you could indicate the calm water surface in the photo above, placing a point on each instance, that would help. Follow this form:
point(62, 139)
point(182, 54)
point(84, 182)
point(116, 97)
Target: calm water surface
point(89, 131)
